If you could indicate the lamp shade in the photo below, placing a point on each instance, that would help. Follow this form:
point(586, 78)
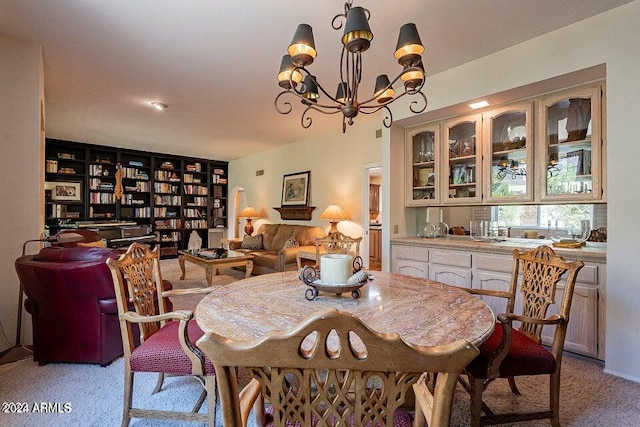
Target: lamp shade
point(334, 213)
point(310, 89)
point(409, 47)
point(413, 78)
point(343, 93)
point(249, 212)
point(383, 91)
point(357, 33)
point(286, 73)
point(303, 48)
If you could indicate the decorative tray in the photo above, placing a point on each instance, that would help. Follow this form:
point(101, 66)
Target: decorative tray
point(569, 244)
point(312, 278)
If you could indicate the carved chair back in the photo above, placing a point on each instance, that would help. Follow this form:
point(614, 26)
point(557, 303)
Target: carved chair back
point(541, 271)
point(140, 282)
point(332, 367)
point(337, 243)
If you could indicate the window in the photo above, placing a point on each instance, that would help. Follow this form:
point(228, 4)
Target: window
point(550, 217)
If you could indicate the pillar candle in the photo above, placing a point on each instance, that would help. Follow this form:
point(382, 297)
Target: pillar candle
point(335, 269)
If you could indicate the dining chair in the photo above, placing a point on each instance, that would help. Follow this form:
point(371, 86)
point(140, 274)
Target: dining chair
point(166, 338)
point(337, 243)
point(331, 369)
point(511, 352)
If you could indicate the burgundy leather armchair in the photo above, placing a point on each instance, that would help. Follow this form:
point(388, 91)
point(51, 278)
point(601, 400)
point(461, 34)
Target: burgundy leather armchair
point(71, 299)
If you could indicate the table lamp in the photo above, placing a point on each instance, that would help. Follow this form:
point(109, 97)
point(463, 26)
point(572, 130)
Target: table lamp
point(249, 213)
point(334, 214)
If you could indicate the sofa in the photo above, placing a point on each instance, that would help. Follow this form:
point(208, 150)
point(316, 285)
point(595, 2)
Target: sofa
point(71, 299)
point(274, 246)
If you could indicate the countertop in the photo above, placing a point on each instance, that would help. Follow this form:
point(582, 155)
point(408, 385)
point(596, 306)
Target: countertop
point(590, 252)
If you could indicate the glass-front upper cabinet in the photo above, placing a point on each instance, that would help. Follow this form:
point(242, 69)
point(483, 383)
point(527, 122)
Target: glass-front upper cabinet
point(570, 125)
point(423, 154)
point(463, 159)
point(508, 142)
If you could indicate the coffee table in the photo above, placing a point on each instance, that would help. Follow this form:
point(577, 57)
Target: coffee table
point(233, 259)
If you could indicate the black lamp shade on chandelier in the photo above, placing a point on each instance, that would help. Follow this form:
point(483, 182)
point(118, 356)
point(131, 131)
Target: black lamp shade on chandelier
point(356, 39)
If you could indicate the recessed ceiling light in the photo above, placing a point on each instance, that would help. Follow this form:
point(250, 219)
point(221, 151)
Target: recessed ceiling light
point(159, 105)
point(479, 104)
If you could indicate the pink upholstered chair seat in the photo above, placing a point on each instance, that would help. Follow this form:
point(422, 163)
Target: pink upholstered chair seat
point(162, 352)
point(525, 357)
point(401, 418)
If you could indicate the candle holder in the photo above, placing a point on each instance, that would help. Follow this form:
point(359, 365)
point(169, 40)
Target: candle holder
point(312, 277)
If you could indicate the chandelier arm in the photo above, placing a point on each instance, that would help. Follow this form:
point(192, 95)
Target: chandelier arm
point(315, 106)
point(414, 103)
point(345, 68)
point(302, 90)
point(371, 109)
point(287, 105)
point(293, 85)
point(387, 121)
point(306, 121)
point(357, 72)
point(323, 108)
point(413, 91)
point(338, 26)
point(326, 93)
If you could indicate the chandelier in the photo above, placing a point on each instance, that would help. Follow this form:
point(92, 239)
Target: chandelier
point(297, 80)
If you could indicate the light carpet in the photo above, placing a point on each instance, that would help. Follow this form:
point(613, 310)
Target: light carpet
point(589, 397)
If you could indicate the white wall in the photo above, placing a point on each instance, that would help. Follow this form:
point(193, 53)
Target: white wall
point(336, 163)
point(610, 38)
point(21, 170)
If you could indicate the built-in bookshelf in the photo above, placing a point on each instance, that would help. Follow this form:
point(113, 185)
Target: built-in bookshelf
point(174, 195)
point(218, 190)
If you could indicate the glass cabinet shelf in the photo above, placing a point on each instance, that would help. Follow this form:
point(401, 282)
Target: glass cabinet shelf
point(509, 146)
point(463, 139)
point(570, 150)
point(422, 153)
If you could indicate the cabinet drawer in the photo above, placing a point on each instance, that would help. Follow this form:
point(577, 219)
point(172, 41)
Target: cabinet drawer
point(411, 252)
point(503, 264)
point(411, 268)
point(451, 258)
point(588, 274)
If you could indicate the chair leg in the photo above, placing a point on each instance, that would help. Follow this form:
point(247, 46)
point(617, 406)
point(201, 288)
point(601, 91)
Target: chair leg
point(512, 385)
point(159, 383)
point(210, 385)
point(475, 394)
point(554, 397)
point(128, 396)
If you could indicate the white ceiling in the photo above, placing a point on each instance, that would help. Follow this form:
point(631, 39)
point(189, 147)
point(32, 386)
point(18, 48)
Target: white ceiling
point(214, 62)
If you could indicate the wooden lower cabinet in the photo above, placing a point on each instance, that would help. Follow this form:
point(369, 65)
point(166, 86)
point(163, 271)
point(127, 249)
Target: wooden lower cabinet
point(375, 249)
point(450, 267)
point(410, 261)
point(478, 270)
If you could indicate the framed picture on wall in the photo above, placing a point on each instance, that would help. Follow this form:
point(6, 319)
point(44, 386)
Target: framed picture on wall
point(295, 189)
point(66, 191)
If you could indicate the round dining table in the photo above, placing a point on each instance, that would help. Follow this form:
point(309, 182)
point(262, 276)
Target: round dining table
point(423, 312)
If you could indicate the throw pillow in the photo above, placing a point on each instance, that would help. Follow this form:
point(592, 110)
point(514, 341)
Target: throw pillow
point(252, 242)
point(291, 242)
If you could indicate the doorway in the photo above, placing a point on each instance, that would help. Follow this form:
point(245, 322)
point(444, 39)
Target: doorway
point(373, 216)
